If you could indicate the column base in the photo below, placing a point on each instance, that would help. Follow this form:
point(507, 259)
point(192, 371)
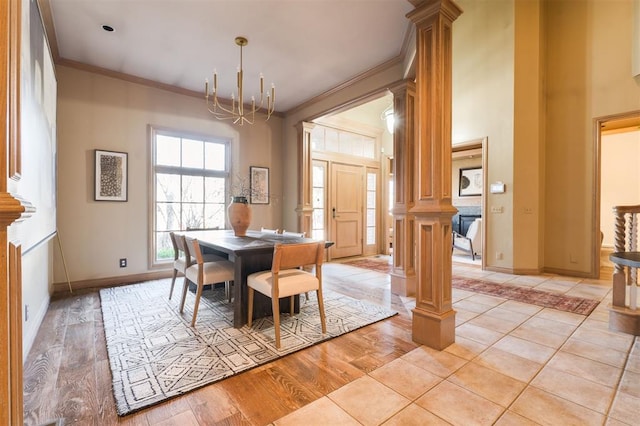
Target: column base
point(402, 285)
point(436, 331)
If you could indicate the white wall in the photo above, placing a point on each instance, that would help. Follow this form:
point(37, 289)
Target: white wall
point(620, 178)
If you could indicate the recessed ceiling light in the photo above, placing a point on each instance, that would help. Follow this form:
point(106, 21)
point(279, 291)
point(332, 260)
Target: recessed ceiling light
point(108, 28)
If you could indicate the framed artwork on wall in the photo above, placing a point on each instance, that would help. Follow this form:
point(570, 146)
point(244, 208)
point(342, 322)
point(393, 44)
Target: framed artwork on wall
point(259, 185)
point(470, 183)
point(110, 176)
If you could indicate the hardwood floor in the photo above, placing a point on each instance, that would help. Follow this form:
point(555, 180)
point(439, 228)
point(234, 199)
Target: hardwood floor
point(67, 373)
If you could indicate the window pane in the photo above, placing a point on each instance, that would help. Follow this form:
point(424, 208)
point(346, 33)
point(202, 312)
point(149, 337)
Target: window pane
point(192, 154)
point(214, 215)
point(371, 181)
point(214, 156)
point(318, 176)
point(318, 197)
point(317, 234)
point(318, 219)
point(371, 217)
point(214, 190)
point(192, 189)
point(192, 215)
point(167, 187)
point(371, 236)
point(168, 217)
point(164, 248)
point(167, 150)
point(371, 199)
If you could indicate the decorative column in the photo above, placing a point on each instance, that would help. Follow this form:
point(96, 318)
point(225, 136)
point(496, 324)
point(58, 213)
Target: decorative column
point(433, 316)
point(403, 273)
point(305, 170)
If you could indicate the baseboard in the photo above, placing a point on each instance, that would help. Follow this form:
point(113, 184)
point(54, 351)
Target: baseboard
point(63, 287)
point(513, 271)
point(566, 272)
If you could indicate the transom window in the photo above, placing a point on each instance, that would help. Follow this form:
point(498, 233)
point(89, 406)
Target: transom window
point(190, 181)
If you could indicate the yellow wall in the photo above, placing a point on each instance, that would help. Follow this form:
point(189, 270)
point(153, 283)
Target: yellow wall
point(588, 75)
point(98, 112)
point(483, 105)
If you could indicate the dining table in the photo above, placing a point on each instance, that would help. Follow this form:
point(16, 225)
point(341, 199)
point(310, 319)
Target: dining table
point(250, 253)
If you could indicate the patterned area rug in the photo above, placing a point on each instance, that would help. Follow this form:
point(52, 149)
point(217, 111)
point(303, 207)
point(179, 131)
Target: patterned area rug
point(381, 265)
point(561, 302)
point(154, 354)
point(577, 305)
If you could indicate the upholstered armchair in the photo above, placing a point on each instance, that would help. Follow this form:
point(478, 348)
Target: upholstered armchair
point(472, 242)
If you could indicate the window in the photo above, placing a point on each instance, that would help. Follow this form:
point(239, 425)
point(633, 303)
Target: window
point(190, 181)
point(371, 208)
point(319, 177)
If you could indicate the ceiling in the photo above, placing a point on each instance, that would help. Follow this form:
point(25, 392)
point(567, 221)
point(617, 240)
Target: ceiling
point(304, 47)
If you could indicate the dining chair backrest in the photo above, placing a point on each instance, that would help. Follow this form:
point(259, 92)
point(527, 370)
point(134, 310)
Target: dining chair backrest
point(215, 228)
point(293, 234)
point(268, 231)
point(289, 256)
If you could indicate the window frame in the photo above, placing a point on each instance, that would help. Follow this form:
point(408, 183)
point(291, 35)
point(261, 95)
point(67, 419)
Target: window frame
point(154, 169)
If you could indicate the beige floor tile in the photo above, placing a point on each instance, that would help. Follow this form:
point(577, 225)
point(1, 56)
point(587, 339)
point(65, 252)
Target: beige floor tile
point(547, 409)
point(525, 349)
point(559, 327)
point(575, 389)
point(618, 341)
point(466, 348)
point(501, 325)
point(415, 415)
point(459, 406)
point(555, 286)
point(469, 305)
point(405, 378)
point(488, 383)
point(509, 364)
point(440, 363)
point(588, 291)
point(478, 334)
point(508, 314)
point(594, 371)
point(485, 299)
point(520, 307)
point(596, 352)
point(561, 316)
point(630, 384)
point(463, 316)
point(320, 412)
point(625, 408)
point(510, 418)
point(539, 335)
point(368, 401)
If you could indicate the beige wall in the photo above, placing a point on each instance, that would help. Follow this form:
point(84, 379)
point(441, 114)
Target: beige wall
point(98, 112)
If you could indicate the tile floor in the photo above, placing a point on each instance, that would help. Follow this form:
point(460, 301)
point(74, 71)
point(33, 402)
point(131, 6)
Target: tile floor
point(512, 364)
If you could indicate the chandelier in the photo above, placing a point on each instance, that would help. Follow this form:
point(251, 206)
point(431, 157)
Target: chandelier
point(238, 112)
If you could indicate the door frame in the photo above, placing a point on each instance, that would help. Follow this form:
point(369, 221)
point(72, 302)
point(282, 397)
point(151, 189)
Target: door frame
point(621, 120)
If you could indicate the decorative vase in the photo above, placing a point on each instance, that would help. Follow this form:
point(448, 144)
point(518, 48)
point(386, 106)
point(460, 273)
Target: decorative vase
point(239, 215)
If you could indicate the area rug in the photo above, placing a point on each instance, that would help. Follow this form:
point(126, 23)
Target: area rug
point(155, 355)
point(381, 265)
point(577, 305)
point(560, 302)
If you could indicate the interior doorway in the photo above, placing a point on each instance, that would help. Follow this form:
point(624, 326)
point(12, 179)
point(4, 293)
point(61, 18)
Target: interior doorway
point(350, 155)
point(617, 151)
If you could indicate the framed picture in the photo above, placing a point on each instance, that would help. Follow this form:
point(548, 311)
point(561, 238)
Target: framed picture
point(259, 185)
point(111, 176)
point(470, 182)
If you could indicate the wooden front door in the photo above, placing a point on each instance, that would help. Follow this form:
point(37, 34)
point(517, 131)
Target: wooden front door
point(346, 212)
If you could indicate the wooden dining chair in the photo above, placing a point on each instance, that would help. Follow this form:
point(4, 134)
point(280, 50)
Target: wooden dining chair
point(202, 273)
point(180, 258)
point(293, 234)
point(287, 279)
